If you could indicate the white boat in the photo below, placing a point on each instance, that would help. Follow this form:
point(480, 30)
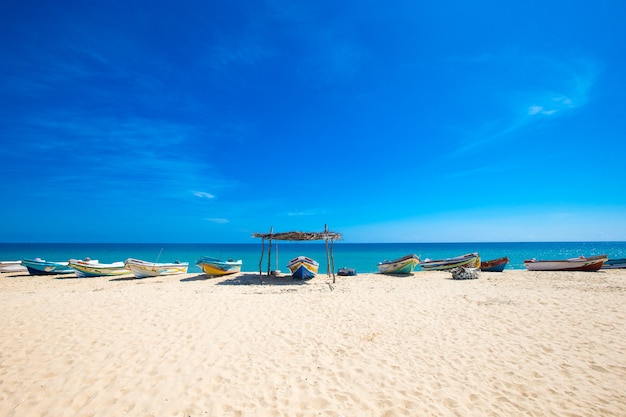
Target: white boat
point(143, 269)
point(593, 263)
point(12, 266)
point(470, 260)
point(404, 265)
point(216, 267)
point(88, 268)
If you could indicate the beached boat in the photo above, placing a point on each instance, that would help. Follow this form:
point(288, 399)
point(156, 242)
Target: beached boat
point(470, 260)
point(40, 266)
point(593, 263)
point(618, 263)
point(494, 265)
point(346, 272)
point(302, 267)
point(89, 268)
point(404, 265)
point(12, 266)
point(216, 267)
point(143, 269)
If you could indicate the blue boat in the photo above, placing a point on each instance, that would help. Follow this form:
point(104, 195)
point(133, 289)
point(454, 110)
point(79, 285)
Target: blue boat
point(302, 267)
point(619, 263)
point(494, 265)
point(39, 266)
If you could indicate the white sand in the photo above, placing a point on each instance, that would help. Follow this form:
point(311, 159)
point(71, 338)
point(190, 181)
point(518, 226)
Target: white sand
point(508, 344)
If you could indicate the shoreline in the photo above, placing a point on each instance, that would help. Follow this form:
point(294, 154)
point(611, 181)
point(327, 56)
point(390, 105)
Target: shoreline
point(511, 343)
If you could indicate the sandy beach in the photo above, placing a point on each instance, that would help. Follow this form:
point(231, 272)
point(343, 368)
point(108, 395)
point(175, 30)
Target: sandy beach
point(506, 344)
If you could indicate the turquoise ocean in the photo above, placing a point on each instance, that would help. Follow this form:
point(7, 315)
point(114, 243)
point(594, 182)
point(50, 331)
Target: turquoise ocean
point(363, 257)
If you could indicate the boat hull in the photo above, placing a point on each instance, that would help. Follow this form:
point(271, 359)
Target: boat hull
point(615, 264)
point(494, 265)
point(41, 267)
point(303, 267)
point(216, 267)
point(143, 269)
point(87, 270)
point(590, 264)
point(404, 265)
point(471, 260)
point(12, 266)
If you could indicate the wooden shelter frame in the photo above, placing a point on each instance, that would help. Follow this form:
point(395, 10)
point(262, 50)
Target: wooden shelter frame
point(327, 236)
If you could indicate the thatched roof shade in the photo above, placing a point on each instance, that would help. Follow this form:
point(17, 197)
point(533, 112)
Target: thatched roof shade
point(299, 236)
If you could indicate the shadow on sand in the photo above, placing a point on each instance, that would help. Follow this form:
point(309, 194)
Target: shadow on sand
point(256, 279)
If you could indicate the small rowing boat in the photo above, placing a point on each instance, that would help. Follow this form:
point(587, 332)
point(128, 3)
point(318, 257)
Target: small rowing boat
point(470, 260)
point(88, 268)
point(40, 266)
point(593, 263)
point(302, 267)
point(143, 269)
point(615, 264)
point(403, 265)
point(494, 265)
point(216, 267)
point(12, 266)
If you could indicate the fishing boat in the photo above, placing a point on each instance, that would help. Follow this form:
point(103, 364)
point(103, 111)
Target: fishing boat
point(302, 267)
point(404, 265)
point(87, 268)
point(40, 266)
point(470, 260)
point(346, 272)
point(216, 267)
point(494, 265)
point(618, 263)
point(12, 266)
point(593, 263)
point(144, 269)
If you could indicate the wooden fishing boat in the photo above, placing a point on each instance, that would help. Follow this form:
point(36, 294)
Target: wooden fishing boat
point(470, 260)
point(302, 267)
point(593, 263)
point(88, 268)
point(346, 272)
point(404, 265)
point(216, 267)
point(494, 265)
point(12, 266)
point(143, 269)
point(40, 266)
point(618, 263)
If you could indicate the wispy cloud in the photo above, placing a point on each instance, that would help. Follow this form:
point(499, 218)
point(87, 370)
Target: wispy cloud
point(202, 194)
point(558, 88)
point(302, 213)
point(217, 220)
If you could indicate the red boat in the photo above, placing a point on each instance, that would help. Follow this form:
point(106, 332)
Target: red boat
point(494, 265)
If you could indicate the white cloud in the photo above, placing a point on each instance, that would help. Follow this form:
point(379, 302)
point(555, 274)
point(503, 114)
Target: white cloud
point(302, 213)
point(202, 194)
point(217, 220)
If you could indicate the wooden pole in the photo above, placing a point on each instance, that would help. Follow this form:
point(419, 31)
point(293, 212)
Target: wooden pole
point(332, 257)
point(261, 260)
point(327, 254)
point(269, 252)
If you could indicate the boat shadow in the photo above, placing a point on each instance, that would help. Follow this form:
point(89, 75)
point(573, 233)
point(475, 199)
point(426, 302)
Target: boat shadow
point(199, 277)
point(256, 279)
point(410, 274)
point(126, 278)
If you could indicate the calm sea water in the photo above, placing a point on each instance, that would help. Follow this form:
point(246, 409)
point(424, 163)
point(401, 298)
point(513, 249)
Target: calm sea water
point(364, 257)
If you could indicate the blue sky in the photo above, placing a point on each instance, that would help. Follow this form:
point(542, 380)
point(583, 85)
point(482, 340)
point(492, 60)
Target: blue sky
point(198, 121)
